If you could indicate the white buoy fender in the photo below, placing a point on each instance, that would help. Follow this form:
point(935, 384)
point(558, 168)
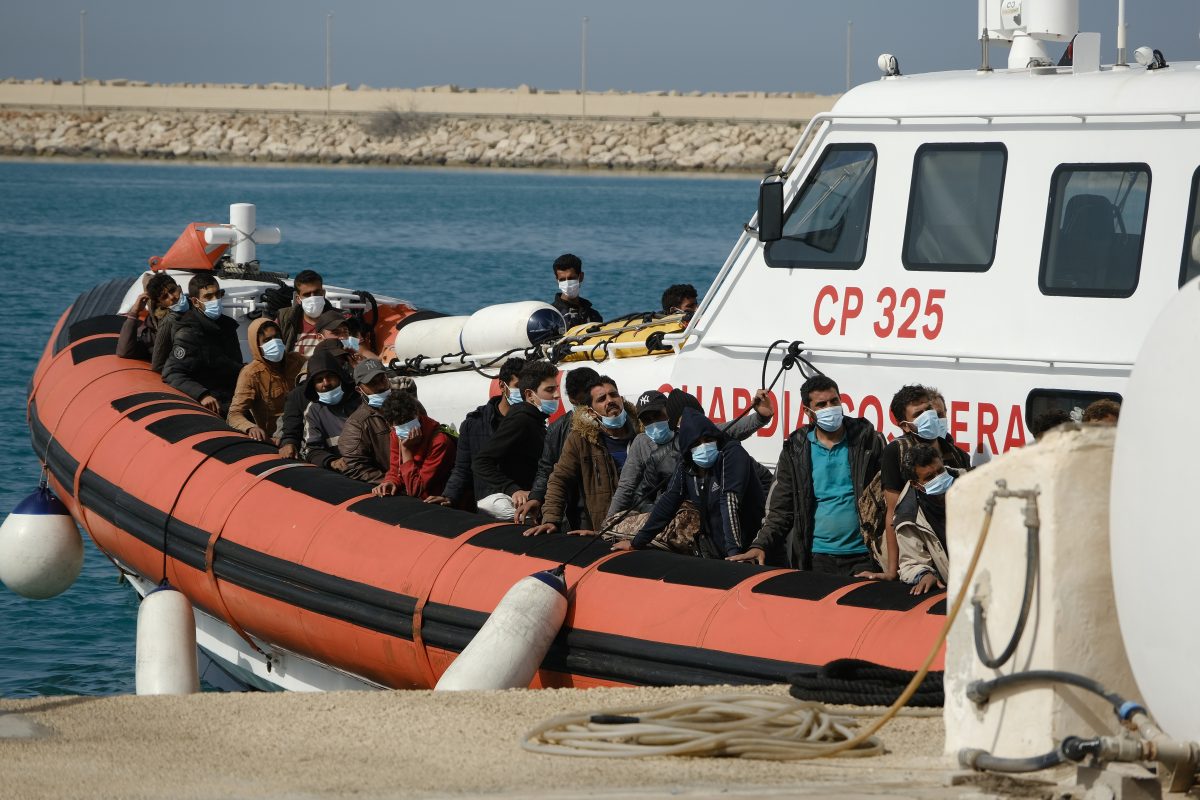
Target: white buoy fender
point(509, 326)
point(166, 644)
point(431, 338)
point(509, 648)
point(41, 551)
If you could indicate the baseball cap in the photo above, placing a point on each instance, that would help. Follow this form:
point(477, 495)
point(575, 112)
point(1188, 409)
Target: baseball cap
point(366, 371)
point(651, 401)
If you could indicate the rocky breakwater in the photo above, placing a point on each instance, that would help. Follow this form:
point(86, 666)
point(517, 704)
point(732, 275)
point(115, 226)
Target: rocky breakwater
point(401, 138)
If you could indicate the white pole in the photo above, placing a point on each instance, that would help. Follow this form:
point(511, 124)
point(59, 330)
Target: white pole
point(328, 60)
point(849, 47)
point(82, 72)
point(1121, 33)
point(583, 69)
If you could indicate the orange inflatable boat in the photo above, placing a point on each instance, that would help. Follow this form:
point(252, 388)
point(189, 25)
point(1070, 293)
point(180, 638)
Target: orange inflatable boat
point(295, 559)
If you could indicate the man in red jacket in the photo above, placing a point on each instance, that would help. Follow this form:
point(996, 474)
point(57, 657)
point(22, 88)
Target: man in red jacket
point(422, 454)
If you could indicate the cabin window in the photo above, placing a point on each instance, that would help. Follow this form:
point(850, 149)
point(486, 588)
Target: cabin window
point(1094, 230)
point(826, 225)
point(1070, 401)
point(1190, 267)
point(954, 207)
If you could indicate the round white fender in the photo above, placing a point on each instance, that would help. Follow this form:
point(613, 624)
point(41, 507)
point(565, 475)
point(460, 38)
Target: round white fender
point(510, 646)
point(41, 551)
point(166, 644)
point(432, 338)
point(507, 326)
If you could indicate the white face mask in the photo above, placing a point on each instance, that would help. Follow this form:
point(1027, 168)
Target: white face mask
point(569, 289)
point(312, 305)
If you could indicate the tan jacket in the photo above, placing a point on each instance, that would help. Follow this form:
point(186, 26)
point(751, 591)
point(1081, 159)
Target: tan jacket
point(365, 444)
point(262, 387)
point(920, 548)
point(585, 461)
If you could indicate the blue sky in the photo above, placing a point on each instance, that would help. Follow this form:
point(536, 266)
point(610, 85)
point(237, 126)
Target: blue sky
point(771, 45)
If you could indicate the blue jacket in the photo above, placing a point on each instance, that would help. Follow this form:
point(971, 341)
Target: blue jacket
point(729, 494)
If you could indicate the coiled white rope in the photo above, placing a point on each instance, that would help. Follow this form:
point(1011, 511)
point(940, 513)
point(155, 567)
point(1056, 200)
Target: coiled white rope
point(734, 725)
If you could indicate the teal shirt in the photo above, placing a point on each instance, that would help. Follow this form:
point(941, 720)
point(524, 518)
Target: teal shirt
point(835, 523)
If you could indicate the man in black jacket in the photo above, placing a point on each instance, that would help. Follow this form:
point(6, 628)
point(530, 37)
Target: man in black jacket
point(568, 271)
point(812, 508)
point(205, 356)
point(291, 424)
point(464, 488)
point(577, 518)
point(507, 464)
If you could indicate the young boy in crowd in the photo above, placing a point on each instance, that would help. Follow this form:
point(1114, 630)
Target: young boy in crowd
point(568, 271)
point(422, 454)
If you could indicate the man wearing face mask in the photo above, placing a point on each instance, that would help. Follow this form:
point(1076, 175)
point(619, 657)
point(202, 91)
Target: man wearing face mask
point(592, 456)
point(812, 509)
point(160, 296)
point(568, 271)
point(718, 476)
point(574, 509)
point(506, 466)
point(366, 441)
point(264, 383)
point(298, 322)
point(331, 401)
point(464, 488)
point(422, 453)
point(914, 410)
point(921, 520)
point(164, 337)
point(205, 356)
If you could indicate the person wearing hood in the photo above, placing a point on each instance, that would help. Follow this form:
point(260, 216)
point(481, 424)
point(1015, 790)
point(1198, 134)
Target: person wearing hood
point(577, 517)
point(298, 322)
point(568, 271)
point(264, 383)
point(329, 405)
point(592, 456)
point(464, 487)
point(812, 507)
point(291, 425)
point(507, 464)
point(920, 520)
point(654, 455)
point(205, 356)
point(160, 298)
point(718, 476)
point(422, 454)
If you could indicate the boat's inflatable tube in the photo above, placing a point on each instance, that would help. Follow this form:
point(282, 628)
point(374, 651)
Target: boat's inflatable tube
point(41, 552)
point(509, 648)
point(494, 329)
point(166, 644)
point(508, 326)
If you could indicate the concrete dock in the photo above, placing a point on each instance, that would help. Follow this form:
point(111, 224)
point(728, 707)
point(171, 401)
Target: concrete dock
point(416, 745)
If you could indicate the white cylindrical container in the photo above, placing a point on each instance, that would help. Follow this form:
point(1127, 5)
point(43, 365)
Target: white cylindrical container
point(1055, 20)
point(166, 644)
point(431, 338)
point(509, 648)
point(508, 326)
point(242, 217)
point(41, 552)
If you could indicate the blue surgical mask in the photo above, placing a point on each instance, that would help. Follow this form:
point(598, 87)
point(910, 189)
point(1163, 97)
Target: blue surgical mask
point(704, 455)
point(829, 419)
point(613, 423)
point(376, 400)
point(548, 406)
point(273, 350)
point(332, 397)
point(181, 304)
point(939, 483)
point(350, 343)
point(405, 431)
point(927, 425)
point(212, 309)
point(660, 432)
point(943, 427)
point(514, 396)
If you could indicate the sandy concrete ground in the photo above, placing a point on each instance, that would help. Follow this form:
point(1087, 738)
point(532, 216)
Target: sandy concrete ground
point(409, 744)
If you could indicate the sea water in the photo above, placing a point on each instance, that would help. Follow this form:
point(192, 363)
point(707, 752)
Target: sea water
point(443, 239)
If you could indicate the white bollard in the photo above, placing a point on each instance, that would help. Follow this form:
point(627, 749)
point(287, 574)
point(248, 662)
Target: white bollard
point(166, 644)
point(41, 551)
point(509, 648)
